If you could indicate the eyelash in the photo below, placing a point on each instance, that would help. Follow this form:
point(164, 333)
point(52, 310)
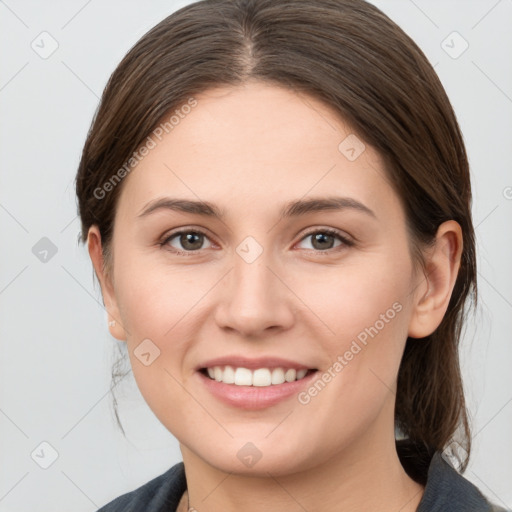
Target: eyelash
point(328, 231)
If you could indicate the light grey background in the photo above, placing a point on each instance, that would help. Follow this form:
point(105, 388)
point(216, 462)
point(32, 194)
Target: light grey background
point(55, 350)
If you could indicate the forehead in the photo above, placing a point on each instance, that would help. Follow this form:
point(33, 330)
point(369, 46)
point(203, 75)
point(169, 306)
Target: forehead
point(254, 145)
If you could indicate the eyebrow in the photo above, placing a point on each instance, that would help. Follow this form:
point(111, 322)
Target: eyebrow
point(291, 209)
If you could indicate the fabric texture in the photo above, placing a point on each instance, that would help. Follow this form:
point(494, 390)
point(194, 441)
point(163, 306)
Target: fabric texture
point(162, 494)
point(445, 491)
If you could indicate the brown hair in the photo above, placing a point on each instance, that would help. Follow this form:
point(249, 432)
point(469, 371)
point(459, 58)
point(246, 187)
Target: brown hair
point(351, 56)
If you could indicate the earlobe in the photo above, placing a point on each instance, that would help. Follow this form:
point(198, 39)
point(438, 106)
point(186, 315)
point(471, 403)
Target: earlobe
point(107, 290)
point(433, 294)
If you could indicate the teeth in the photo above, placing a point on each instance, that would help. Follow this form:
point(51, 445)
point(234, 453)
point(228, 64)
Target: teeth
point(261, 377)
point(278, 376)
point(243, 377)
point(290, 375)
point(301, 374)
point(228, 376)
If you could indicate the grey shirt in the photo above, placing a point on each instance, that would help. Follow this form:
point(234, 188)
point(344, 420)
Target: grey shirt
point(445, 491)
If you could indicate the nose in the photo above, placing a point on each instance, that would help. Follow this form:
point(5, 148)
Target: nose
point(255, 299)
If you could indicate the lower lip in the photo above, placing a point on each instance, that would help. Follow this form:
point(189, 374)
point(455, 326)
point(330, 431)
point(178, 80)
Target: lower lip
point(254, 397)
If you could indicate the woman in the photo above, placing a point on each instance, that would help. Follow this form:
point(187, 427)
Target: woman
point(277, 204)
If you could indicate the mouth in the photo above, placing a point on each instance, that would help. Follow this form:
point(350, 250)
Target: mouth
point(259, 377)
point(254, 383)
point(254, 389)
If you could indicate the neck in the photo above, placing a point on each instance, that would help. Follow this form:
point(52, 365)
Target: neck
point(367, 475)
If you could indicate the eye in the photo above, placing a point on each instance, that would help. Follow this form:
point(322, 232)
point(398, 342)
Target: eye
point(323, 239)
point(188, 241)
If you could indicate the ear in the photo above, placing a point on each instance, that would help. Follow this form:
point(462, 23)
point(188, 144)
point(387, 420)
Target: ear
point(433, 293)
point(107, 289)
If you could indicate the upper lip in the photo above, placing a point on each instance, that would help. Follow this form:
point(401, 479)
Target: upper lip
point(253, 363)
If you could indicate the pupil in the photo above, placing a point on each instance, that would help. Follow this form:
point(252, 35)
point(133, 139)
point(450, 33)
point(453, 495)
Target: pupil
point(188, 239)
point(321, 237)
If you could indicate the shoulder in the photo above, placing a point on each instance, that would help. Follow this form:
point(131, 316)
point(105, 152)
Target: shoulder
point(446, 489)
point(162, 493)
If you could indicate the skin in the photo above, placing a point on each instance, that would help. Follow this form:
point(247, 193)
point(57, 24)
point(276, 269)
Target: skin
point(250, 150)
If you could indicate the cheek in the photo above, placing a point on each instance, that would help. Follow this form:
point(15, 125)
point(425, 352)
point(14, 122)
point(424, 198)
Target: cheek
point(360, 382)
point(365, 314)
point(353, 297)
point(157, 314)
point(156, 300)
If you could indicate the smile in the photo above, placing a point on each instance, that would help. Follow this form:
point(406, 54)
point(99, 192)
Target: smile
point(256, 389)
point(260, 377)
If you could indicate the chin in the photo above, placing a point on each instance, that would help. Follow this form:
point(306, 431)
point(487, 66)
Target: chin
point(258, 458)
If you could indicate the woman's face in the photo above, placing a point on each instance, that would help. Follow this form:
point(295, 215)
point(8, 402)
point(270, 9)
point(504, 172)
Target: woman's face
point(266, 285)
